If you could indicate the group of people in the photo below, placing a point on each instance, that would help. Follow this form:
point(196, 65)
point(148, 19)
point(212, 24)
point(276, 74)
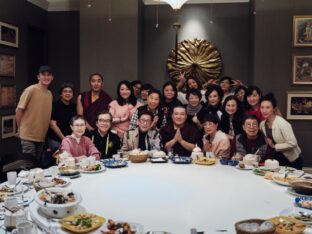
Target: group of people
point(222, 116)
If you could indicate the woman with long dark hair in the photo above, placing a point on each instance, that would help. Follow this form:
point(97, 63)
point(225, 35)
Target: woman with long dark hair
point(252, 100)
point(279, 135)
point(123, 107)
point(169, 99)
point(214, 97)
point(231, 120)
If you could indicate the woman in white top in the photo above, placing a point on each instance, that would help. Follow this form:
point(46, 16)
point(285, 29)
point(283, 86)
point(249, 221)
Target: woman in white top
point(279, 134)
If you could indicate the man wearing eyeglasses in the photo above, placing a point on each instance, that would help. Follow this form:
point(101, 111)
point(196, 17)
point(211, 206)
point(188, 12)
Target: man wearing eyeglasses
point(107, 142)
point(142, 137)
point(251, 141)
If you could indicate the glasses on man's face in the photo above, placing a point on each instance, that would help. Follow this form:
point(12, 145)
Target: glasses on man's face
point(79, 125)
point(251, 125)
point(104, 120)
point(145, 121)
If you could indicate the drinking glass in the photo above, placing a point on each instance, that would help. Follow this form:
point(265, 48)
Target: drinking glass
point(12, 176)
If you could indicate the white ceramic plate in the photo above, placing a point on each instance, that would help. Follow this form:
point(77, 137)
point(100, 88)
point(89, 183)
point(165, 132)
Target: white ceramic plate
point(134, 226)
point(246, 168)
point(19, 188)
point(71, 176)
point(274, 178)
point(103, 168)
point(67, 182)
point(294, 211)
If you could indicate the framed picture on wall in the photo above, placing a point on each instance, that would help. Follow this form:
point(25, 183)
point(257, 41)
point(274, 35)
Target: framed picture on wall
point(7, 96)
point(8, 34)
point(302, 30)
point(7, 65)
point(299, 105)
point(8, 126)
point(302, 69)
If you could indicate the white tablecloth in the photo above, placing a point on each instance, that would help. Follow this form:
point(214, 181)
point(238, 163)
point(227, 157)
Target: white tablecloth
point(176, 198)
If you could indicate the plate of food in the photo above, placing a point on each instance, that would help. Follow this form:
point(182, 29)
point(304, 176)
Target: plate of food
point(90, 169)
point(159, 159)
point(258, 172)
point(282, 179)
point(299, 213)
point(293, 192)
point(181, 160)
point(82, 223)
point(13, 189)
point(53, 182)
point(304, 202)
point(69, 171)
point(122, 227)
point(114, 163)
point(244, 167)
point(288, 225)
point(204, 161)
point(264, 168)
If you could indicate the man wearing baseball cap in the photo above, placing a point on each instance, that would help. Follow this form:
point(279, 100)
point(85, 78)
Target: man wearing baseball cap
point(33, 113)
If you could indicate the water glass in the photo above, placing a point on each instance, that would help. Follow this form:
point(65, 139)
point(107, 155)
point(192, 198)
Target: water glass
point(12, 176)
point(26, 227)
point(53, 171)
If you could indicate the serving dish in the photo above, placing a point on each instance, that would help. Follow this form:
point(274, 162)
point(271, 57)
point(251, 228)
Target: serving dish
point(182, 160)
point(159, 159)
point(288, 225)
point(304, 202)
point(82, 223)
point(291, 191)
point(204, 161)
point(302, 186)
point(258, 172)
point(58, 202)
point(299, 213)
point(258, 226)
point(244, 167)
point(71, 172)
point(283, 180)
point(52, 182)
point(229, 162)
point(122, 227)
point(97, 168)
point(114, 163)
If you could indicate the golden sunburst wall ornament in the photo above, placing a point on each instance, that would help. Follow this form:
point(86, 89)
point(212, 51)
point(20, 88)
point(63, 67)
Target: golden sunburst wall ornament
point(197, 58)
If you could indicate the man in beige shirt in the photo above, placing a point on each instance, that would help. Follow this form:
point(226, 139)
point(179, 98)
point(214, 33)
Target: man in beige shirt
point(33, 113)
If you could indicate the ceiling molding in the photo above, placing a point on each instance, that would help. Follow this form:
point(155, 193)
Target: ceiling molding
point(57, 5)
point(44, 4)
point(156, 2)
point(74, 5)
point(64, 5)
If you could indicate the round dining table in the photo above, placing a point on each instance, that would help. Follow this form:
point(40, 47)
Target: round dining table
point(176, 198)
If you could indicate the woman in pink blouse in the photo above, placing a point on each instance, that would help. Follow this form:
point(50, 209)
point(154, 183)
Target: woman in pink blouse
point(123, 107)
point(77, 145)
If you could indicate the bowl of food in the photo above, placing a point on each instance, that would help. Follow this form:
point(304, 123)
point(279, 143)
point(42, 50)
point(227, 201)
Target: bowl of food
point(233, 162)
point(58, 202)
point(137, 156)
point(258, 226)
point(302, 186)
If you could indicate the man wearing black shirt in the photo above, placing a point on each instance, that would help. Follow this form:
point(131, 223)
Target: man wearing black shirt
point(62, 112)
point(180, 135)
